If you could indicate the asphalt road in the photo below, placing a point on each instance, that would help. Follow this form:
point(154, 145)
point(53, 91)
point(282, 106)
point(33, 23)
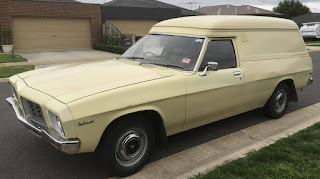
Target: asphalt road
point(22, 155)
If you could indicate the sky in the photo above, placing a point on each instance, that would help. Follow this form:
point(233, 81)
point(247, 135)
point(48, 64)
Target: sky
point(314, 5)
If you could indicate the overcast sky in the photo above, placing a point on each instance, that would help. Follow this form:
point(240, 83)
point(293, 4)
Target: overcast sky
point(314, 5)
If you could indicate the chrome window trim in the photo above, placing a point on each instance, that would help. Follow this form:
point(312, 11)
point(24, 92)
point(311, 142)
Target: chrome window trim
point(200, 55)
point(180, 35)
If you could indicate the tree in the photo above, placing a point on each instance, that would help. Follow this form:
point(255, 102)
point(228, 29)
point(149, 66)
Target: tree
point(291, 8)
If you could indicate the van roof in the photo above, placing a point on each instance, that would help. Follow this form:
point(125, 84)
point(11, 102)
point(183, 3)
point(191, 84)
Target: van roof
point(222, 22)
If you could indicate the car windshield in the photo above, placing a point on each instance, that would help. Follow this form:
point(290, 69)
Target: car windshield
point(177, 52)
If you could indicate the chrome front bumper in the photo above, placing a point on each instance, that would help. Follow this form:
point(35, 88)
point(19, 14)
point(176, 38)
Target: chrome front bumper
point(49, 135)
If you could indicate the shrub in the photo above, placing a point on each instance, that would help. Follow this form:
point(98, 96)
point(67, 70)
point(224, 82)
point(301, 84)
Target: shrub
point(113, 40)
point(6, 33)
point(110, 48)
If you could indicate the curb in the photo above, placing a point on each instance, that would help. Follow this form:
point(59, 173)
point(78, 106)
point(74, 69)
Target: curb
point(4, 80)
point(207, 156)
point(253, 147)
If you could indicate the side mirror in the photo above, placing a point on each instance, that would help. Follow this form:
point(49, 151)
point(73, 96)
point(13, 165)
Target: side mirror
point(211, 66)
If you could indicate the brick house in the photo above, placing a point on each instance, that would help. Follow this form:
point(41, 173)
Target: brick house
point(51, 24)
point(138, 16)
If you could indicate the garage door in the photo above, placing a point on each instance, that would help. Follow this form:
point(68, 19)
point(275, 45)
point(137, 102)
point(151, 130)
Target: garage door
point(51, 33)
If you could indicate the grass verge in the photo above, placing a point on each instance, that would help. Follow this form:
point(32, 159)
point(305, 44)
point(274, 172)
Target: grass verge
point(8, 58)
point(311, 42)
point(297, 156)
point(8, 71)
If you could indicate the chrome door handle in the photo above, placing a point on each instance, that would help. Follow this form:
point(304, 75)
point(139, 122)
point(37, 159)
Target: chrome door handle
point(236, 73)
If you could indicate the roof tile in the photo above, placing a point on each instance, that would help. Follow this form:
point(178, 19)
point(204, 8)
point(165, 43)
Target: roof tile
point(309, 17)
point(149, 4)
point(236, 10)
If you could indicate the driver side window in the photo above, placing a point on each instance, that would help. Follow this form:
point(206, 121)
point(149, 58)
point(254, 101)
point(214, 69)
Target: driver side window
point(220, 51)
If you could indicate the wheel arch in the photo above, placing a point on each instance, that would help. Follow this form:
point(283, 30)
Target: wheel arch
point(152, 115)
point(292, 88)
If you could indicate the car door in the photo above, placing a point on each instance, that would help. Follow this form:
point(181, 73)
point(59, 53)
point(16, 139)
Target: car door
point(219, 92)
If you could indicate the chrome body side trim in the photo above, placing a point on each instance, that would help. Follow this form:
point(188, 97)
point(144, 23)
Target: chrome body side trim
point(48, 134)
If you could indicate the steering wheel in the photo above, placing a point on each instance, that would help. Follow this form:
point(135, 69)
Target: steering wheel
point(145, 53)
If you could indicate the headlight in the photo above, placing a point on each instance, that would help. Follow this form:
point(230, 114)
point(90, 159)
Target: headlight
point(13, 91)
point(56, 123)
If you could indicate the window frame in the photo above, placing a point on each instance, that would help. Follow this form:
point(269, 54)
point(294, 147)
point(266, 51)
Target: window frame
point(208, 40)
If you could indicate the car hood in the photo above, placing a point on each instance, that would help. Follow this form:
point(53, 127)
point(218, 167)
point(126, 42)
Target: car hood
point(74, 81)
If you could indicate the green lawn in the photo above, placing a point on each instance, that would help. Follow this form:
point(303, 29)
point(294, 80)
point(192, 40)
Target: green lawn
point(297, 156)
point(12, 70)
point(311, 42)
point(8, 58)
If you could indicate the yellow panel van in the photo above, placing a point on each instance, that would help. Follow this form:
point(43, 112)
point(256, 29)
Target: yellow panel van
point(185, 73)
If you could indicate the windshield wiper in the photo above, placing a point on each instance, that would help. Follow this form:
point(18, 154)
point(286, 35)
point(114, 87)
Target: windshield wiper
point(133, 58)
point(163, 64)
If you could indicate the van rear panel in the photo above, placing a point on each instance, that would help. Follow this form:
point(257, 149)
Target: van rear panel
point(269, 57)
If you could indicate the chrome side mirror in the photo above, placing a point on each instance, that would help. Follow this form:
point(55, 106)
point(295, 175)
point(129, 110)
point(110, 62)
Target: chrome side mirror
point(211, 66)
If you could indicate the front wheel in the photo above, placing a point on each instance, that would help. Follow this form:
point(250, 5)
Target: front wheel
point(126, 147)
point(278, 103)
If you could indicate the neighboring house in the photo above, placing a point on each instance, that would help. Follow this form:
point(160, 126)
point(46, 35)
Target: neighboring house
point(305, 18)
point(51, 24)
point(237, 10)
point(138, 16)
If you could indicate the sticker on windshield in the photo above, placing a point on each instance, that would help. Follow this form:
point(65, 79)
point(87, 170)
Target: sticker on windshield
point(199, 40)
point(186, 60)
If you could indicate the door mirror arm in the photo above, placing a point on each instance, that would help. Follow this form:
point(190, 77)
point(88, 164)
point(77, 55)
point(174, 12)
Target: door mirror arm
point(211, 66)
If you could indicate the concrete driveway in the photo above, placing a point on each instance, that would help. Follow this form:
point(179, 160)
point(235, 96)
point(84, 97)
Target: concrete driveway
point(54, 57)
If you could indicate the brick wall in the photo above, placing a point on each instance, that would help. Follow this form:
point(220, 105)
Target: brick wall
point(3, 5)
point(28, 8)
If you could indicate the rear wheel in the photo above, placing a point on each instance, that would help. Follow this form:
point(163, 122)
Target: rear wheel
point(126, 146)
point(278, 103)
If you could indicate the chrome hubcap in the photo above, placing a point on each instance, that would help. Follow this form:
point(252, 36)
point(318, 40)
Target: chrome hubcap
point(131, 147)
point(281, 100)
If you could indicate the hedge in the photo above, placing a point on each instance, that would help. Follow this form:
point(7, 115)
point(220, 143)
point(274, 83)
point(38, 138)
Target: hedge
point(110, 48)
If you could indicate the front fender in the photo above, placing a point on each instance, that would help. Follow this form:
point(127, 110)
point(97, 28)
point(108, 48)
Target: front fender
point(93, 115)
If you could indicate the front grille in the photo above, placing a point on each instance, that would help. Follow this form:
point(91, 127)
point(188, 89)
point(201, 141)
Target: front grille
point(35, 109)
point(33, 112)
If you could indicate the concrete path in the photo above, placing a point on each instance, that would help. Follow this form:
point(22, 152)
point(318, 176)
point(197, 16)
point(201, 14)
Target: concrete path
point(230, 147)
point(51, 58)
point(307, 44)
point(313, 48)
